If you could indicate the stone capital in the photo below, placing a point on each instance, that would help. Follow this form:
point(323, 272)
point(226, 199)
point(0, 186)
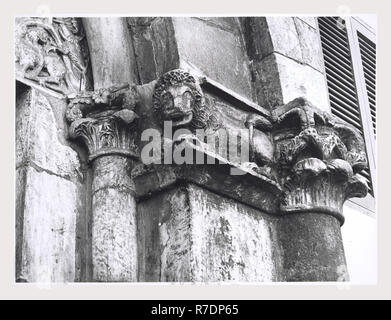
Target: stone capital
point(319, 159)
point(104, 120)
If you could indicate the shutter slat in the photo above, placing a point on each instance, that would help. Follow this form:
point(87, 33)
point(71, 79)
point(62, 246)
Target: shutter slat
point(345, 77)
point(330, 42)
point(368, 58)
point(366, 43)
point(330, 24)
point(336, 91)
point(370, 70)
point(341, 79)
point(330, 59)
point(346, 106)
point(343, 83)
point(371, 91)
point(336, 52)
point(371, 85)
point(345, 117)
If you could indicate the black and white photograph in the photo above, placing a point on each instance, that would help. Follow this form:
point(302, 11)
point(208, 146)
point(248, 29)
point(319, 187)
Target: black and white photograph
point(195, 149)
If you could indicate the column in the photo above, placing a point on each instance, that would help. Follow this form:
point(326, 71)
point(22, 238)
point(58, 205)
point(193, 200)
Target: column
point(109, 135)
point(319, 159)
point(105, 124)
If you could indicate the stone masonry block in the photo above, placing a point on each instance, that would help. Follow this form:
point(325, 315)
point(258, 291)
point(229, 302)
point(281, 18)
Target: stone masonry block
point(219, 54)
point(38, 141)
point(230, 241)
point(285, 39)
point(191, 234)
point(301, 80)
point(311, 21)
point(310, 45)
point(49, 227)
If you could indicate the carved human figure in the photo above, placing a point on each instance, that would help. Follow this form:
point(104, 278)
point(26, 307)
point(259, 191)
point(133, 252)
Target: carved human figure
point(69, 31)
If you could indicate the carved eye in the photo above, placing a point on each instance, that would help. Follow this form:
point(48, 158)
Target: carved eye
point(187, 99)
point(167, 100)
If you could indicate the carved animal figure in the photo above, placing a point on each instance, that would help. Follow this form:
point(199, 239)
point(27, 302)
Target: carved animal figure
point(55, 69)
point(36, 54)
point(301, 109)
point(331, 139)
point(29, 53)
point(49, 52)
point(178, 98)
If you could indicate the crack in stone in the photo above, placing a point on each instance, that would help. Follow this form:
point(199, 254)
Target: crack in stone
point(32, 164)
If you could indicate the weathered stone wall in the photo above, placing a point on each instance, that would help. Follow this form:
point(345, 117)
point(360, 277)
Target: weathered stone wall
point(192, 234)
point(286, 59)
point(270, 60)
point(213, 46)
point(51, 195)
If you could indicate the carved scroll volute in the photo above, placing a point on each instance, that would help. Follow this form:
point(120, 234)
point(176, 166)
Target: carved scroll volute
point(104, 120)
point(319, 158)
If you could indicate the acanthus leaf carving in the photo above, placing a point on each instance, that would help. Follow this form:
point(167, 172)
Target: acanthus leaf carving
point(319, 158)
point(103, 136)
point(104, 119)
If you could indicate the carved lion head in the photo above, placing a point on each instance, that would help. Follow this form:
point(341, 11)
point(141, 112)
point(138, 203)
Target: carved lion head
point(178, 98)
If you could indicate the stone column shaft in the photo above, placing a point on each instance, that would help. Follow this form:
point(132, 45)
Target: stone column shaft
point(109, 138)
point(112, 57)
point(114, 244)
point(312, 248)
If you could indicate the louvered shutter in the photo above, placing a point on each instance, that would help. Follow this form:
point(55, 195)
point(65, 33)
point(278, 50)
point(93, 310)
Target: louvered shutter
point(340, 76)
point(368, 58)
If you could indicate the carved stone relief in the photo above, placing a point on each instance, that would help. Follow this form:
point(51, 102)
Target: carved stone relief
point(317, 157)
point(51, 53)
point(103, 119)
point(179, 98)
